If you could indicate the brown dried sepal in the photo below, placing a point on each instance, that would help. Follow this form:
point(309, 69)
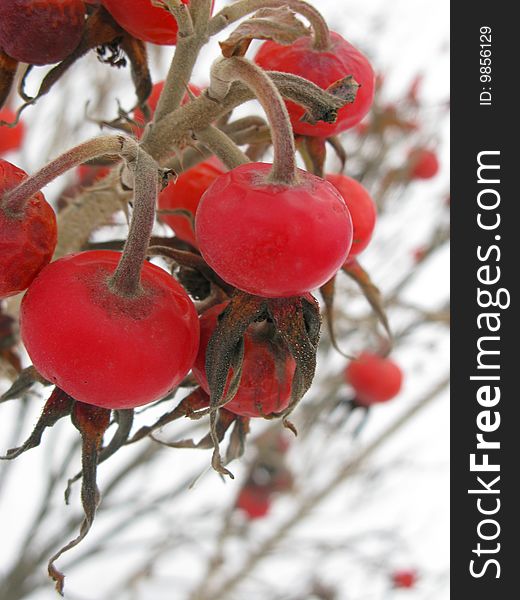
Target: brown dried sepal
point(91, 422)
point(328, 293)
point(58, 405)
point(371, 292)
point(298, 321)
point(277, 24)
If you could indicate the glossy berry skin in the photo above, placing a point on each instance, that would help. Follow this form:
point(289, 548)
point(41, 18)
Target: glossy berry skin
point(423, 163)
point(102, 348)
point(265, 387)
point(273, 240)
point(27, 238)
point(254, 502)
point(43, 32)
point(375, 379)
point(144, 21)
point(152, 102)
point(185, 193)
point(361, 207)
point(11, 138)
point(322, 68)
point(405, 579)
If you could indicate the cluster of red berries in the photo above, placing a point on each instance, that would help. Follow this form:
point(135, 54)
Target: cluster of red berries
point(264, 238)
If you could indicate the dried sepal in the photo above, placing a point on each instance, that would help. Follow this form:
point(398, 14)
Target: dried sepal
point(314, 153)
point(91, 422)
point(8, 68)
point(24, 382)
point(58, 405)
point(195, 401)
point(328, 292)
point(125, 420)
point(237, 439)
point(278, 24)
point(340, 151)
point(371, 292)
point(298, 321)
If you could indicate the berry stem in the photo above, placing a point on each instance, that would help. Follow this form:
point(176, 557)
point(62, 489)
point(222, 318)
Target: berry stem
point(191, 37)
point(240, 9)
point(226, 70)
point(126, 280)
point(116, 145)
point(222, 146)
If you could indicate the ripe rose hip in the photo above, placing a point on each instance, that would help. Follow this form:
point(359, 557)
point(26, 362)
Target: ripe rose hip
point(185, 193)
point(11, 138)
point(153, 100)
point(273, 240)
point(105, 349)
point(361, 208)
point(265, 386)
point(375, 379)
point(404, 579)
point(42, 32)
point(254, 501)
point(144, 21)
point(27, 236)
point(322, 68)
point(423, 163)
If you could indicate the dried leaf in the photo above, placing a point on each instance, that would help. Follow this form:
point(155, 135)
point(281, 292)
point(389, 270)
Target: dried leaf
point(237, 440)
point(370, 291)
point(59, 405)
point(278, 24)
point(91, 422)
point(298, 321)
point(8, 68)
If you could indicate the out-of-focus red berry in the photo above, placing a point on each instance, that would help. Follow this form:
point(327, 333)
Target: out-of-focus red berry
point(374, 378)
point(322, 68)
point(185, 194)
point(11, 138)
point(361, 207)
point(423, 163)
point(254, 501)
point(404, 579)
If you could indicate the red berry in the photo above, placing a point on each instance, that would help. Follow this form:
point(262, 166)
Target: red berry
point(423, 163)
point(43, 32)
point(11, 138)
point(153, 100)
point(254, 501)
point(273, 240)
point(322, 68)
point(374, 378)
point(185, 193)
point(145, 21)
point(104, 349)
point(405, 579)
point(361, 208)
point(27, 238)
point(265, 385)
point(90, 174)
